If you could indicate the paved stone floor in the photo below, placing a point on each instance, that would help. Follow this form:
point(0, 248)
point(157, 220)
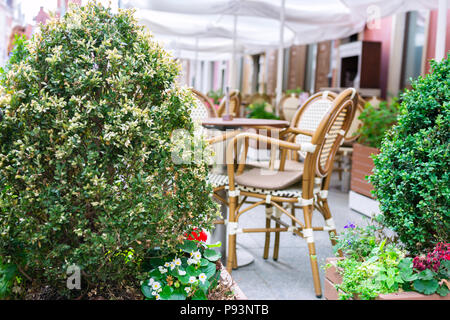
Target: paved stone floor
point(290, 277)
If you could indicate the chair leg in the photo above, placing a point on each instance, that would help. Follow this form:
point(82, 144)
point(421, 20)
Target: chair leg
point(307, 211)
point(276, 247)
point(293, 214)
point(231, 256)
point(267, 242)
point(331, 233)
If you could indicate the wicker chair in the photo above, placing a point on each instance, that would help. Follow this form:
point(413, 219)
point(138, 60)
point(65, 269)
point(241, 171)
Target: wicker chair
point(289, 105)
point(235, 105)
point(208, 106)
point(307, 117)
point(308, 187)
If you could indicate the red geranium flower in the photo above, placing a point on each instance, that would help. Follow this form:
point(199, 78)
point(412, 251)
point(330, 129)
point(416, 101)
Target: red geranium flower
point(199, 236)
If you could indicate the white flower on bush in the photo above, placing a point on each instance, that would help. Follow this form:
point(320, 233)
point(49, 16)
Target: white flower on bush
point(192, 279)
point(191, 261)
point(181, 272)
point(202, 277)
point(187, 289)
point(196, 255)
point(150, 282)
point(172, 266)
point(156, 286)
point(167, 264)
point(158, 297)
point(162, 269)
point(177, 262)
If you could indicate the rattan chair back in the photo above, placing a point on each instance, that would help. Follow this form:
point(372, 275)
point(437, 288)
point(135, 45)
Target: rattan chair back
point(330, 134)
point(235, 104)
point(204, 108)
point(289, 105)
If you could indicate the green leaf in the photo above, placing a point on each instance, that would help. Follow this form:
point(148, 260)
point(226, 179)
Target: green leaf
point(209, 270)
point(166, 293)
point(426, 286)
point(204, 286)
point(203, 262)
point(146, 291)
point(426, 274)
point(199, 295)
point(178, 294)
point(212, 255)
point(191, 271)
point(218, 244)
point(442, 290)
point(189, 246)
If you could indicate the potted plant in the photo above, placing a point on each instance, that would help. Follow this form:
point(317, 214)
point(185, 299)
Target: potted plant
point(88, 184)
point(376, 266)
point(376, 121)
point(410, 180)
point(194, 272)
point(216, 96)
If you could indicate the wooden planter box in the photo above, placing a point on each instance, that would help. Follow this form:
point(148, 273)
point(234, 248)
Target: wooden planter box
point(332, 277)
point(362, 165)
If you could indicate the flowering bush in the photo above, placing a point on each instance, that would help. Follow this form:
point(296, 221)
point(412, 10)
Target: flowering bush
point(86, 169)
point(433, 259)
point(373, 266)
point(199, 236)
point(189, 274)
point(370, 264)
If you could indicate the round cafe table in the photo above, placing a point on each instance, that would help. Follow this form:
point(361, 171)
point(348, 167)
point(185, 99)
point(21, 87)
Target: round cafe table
point(220, 233)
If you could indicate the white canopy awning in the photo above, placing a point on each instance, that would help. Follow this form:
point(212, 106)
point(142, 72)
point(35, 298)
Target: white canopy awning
point(305, 21)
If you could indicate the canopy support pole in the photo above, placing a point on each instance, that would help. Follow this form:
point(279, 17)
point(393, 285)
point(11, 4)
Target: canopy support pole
point(195, 82)
point(441, 30)
point(280, 60)
point(232, 75)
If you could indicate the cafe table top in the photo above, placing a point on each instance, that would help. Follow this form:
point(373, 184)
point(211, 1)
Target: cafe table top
point(244, 122)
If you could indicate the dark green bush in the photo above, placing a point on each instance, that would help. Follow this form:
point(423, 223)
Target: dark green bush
point(86, 169)
point(411, 175)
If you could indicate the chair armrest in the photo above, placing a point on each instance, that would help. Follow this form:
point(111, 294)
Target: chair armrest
point(223, 137)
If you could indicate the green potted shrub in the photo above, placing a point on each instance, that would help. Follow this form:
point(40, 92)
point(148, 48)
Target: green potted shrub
point(376, 121)
point(87, 179)
point(411, 183)
point(411, 176)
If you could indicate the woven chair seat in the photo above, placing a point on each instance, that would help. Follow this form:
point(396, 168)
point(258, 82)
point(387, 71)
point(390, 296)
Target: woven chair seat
point(294, 191)
point(217, 180)
point(262, 178)
point(289, 165)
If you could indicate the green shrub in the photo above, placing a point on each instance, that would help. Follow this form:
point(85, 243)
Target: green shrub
point(216, 95)
point(411, 176)
point(260, 110)
point(298, 90)
point(87, 175)
point(376, 122)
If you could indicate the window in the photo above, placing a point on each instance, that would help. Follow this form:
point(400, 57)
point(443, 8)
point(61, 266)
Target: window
point(413, 47)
